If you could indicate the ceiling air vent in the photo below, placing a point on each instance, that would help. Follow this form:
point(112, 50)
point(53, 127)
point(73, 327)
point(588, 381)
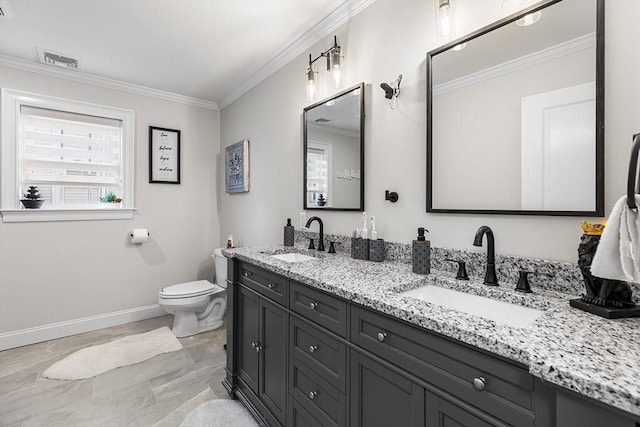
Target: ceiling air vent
point(57, 59)
point(4, 9)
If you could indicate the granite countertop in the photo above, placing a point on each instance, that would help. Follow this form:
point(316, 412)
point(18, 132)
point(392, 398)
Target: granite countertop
point(596, 357)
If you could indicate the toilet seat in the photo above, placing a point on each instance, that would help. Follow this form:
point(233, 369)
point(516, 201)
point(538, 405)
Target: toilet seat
point(189, 289)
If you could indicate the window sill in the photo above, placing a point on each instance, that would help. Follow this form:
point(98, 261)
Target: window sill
point(46, 215)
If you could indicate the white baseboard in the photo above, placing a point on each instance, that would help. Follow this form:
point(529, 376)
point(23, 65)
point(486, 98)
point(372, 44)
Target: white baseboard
point(77, 326)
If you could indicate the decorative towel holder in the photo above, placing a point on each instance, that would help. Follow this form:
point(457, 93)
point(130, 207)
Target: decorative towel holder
point(633, 182)
point(611, 299)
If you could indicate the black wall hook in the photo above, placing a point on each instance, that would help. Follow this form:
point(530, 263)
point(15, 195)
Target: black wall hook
point(391, 196)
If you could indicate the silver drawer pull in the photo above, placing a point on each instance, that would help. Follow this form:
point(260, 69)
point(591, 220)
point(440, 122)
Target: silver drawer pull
point(312, 348)
point(312, 395)
point(258, 348)
point(313, 305)
point(270, 286)
point(247, 274)
point(254, 344)
point(381, 336)
point(479, 383)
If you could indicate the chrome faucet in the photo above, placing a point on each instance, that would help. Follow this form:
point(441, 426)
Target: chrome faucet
point(490, 276)
point(315, 218)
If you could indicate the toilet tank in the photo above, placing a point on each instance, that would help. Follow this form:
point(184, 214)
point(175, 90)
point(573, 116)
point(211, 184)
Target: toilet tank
point(221, 268)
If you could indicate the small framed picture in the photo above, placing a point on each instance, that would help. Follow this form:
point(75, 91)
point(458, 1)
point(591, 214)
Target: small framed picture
point(236, 172)
point(164, 155)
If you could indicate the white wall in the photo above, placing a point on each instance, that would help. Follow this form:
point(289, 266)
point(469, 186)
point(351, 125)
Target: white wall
point(477, 168)
point(389, 38)
point(60, 271)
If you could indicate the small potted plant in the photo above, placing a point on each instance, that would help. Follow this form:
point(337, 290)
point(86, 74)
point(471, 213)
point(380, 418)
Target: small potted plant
point(321, 200)
point(110, 198)
point(32, 199)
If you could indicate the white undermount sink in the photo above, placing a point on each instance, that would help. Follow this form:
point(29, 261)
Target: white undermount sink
point(293, 257)
point(500, 312)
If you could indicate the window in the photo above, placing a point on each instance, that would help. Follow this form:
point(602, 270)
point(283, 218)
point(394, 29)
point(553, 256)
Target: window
point(75, 153)
point(318, 172)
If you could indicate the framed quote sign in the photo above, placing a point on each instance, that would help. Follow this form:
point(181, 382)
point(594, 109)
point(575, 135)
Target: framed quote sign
point(236, 171)
point(164, 155)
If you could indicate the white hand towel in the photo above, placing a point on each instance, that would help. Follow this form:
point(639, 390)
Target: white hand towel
point(618, 254)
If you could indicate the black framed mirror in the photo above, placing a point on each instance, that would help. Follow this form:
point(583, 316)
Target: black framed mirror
point(515, 115)
point(334, 152)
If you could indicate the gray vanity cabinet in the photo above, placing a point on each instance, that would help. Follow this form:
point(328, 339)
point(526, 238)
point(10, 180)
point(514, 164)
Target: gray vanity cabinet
point(301, 357)
point(382, 397)
point(502, 393)
point(262, 358)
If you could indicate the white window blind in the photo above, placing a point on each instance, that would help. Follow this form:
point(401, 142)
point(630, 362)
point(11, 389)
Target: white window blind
point(74, 152)
point(70, 150)
point(317, 170)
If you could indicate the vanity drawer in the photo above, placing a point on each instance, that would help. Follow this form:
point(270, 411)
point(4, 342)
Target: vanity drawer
point(264, 282)
point(472, 376)
point(317, 396)
point(323, 354)
point(319, 307)
point(300, 417)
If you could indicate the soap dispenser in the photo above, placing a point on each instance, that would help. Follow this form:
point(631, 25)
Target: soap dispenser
point(421, 253)
point(288, 233)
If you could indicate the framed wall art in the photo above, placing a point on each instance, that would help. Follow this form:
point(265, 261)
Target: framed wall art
point(164, 155)
point(236, 172)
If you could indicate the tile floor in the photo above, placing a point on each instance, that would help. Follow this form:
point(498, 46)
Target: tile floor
point(159, 392)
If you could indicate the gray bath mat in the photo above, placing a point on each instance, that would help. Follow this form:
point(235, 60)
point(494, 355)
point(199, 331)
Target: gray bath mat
point(220, 413)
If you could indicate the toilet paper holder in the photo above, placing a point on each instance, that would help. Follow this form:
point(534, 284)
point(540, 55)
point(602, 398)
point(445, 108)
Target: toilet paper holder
point(139, 235)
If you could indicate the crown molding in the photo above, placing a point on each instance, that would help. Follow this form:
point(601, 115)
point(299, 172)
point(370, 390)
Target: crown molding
point(342, 14)
point(526, 61)
point(80, 77)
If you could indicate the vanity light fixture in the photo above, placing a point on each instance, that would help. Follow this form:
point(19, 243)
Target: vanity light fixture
point(445, 22)
point(529, 19)
point(334, 61)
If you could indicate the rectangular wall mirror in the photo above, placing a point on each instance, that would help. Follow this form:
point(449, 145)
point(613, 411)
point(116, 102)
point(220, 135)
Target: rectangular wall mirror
point(334, 152)
point(515, 115)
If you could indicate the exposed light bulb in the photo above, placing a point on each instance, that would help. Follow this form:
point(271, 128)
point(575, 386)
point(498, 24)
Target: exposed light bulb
point(312, 88)
point(336, 74)
point(445, 22)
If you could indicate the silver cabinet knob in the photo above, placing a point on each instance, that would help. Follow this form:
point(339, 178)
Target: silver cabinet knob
point(312, 395)
point(381, 336)
point(312, 348)
point(254, 344)
point(258, 348)
point(247, 274)
point(313, 305)
point(479, 383)
point(270, 286)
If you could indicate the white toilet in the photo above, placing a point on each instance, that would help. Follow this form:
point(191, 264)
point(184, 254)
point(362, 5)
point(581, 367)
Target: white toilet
point(197, 306)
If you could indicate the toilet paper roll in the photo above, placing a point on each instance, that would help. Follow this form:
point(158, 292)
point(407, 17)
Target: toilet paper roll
point(139, 235)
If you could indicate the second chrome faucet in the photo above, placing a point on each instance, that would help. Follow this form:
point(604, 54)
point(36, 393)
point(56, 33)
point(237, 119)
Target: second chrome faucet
point(490, 276)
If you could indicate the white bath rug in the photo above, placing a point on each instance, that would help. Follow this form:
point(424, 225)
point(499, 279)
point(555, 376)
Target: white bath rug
point(220, 413)
point(95, 360)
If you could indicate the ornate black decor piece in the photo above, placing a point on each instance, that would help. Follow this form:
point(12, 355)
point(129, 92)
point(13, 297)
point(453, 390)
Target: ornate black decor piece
point(611, 299)
point(32, 198)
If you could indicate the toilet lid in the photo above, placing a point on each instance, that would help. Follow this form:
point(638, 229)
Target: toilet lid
point(189, 289)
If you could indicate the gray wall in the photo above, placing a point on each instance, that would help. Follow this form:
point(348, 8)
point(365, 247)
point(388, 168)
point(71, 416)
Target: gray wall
point(54, 272)
point(389, 38)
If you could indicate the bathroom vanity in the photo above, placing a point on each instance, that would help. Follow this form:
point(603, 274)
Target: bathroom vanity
point(333, 341)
